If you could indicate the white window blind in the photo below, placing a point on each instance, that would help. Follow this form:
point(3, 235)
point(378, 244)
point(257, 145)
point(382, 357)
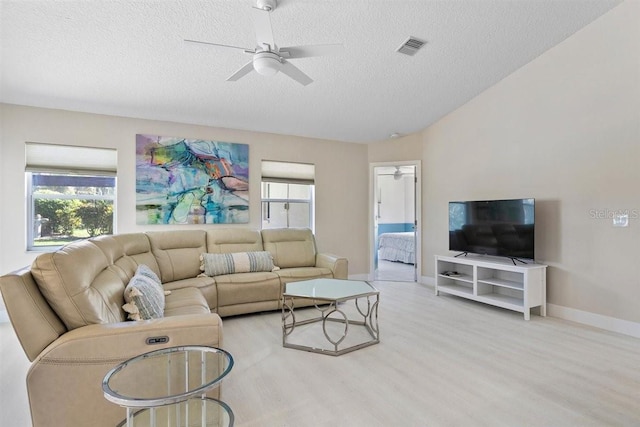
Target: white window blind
point(70, 159)
point(293, 173)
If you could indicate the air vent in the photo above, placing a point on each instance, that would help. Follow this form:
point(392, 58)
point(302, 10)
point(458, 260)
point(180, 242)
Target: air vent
point(411, 46)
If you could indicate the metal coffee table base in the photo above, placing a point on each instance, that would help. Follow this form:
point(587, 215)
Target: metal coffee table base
point(369, 321)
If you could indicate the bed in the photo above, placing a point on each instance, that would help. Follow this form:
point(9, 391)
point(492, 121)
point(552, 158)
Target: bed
point(397, 247)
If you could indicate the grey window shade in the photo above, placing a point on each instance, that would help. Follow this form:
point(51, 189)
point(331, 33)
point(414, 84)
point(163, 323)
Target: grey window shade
point(292, 173)
point(70, 159)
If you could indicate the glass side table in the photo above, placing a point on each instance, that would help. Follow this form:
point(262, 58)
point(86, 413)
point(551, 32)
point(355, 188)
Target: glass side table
point(168, 387)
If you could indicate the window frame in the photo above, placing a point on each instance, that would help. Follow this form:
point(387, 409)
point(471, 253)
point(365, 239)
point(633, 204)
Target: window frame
point(287, 201)
point(31, 198)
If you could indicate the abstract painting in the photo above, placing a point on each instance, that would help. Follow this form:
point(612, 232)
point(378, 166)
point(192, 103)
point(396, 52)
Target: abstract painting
point(191, 181)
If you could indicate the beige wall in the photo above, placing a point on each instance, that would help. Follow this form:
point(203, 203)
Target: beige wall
point(564, 129)
point(405, 148)
point(341, 168)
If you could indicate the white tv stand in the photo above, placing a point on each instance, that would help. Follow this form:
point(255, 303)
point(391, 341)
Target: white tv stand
point(514, 287)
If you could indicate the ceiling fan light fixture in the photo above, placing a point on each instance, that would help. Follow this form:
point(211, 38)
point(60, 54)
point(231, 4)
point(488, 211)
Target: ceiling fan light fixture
point(267, 5)
point(266, 63)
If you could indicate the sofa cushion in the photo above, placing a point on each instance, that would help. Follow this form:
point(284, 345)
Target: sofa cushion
point(290, 247)
point(185, 301)
point(126, 252)
point(178, 252)
point(137, 247)
point(117, 260)
point(240, 262)
point(144, 297)
point(206, 285)
point(228, 240)
point(242, 288)
point(80, 284)
point(304, 273)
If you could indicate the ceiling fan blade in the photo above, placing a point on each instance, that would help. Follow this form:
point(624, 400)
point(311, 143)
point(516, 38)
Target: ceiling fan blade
point(243, 71)
point(221, 45)
point(311, 51)
point(295, 73)
point(262, 24)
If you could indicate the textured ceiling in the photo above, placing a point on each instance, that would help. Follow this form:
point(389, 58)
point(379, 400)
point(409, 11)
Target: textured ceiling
point(128, 58)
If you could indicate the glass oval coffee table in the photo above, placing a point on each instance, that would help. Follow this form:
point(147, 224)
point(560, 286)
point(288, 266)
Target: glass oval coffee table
point(168, 387)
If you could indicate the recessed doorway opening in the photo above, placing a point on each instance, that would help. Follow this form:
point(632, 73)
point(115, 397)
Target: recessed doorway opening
point(395, 249)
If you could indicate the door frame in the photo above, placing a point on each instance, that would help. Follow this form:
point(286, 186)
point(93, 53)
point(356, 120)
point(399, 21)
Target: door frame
point(373, 185)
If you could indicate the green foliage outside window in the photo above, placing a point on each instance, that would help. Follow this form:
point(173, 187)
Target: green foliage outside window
point(74, 217)
point(66, 206)
point(96, 217)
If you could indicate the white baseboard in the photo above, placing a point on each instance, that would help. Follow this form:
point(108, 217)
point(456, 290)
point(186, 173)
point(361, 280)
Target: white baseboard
point(607, 323)
point(597, 320)
point(584, 317)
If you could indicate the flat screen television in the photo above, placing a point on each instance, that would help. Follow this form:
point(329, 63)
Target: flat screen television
point(493, 227)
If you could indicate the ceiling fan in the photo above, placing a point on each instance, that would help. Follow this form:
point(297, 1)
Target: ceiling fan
point(268, 59)
point(399, 172)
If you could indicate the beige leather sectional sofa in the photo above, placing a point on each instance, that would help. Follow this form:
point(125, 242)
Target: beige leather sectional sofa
point(67, 308)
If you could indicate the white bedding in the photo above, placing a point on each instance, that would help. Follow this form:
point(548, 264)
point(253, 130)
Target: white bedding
point(397, 247)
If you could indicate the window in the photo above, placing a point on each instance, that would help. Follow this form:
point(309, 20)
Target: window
point(287, 195)
point(66, 200)
point(287, 205)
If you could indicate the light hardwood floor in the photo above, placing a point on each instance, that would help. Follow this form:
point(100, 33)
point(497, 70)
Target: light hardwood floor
point(442, 361)
point(14, 404)
point(395, 271)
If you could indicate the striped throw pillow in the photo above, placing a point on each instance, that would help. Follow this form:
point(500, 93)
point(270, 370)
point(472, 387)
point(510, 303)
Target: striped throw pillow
point(145, 270)
point(144, 298)
point(239, 262)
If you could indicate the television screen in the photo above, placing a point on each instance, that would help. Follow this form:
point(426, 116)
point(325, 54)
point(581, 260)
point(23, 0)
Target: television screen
point(493, 227)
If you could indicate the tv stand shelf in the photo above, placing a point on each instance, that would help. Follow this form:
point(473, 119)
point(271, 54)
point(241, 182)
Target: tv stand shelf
point(502, 284)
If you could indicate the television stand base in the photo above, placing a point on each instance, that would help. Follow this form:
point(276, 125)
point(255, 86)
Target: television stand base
point(495, 282)
point(461, 254)
point(514, 259)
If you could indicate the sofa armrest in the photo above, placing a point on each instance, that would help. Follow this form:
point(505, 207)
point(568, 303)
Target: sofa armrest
point(65, 380)
point(115, 342)
point(338, 265)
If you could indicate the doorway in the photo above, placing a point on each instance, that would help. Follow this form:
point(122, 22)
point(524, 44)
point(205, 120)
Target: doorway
point(395, 221)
